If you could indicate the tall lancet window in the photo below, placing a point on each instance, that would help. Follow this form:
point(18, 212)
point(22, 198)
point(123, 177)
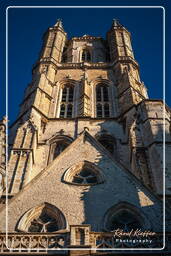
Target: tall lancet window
point(66, 108)
point(102, 101)
point(86, 56)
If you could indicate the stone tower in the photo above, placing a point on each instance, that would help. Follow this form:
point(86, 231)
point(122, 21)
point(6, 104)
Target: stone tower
point(86, 151)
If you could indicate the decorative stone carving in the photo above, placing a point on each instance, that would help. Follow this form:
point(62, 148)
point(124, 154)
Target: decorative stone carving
point(84, 173)
point(41, 218)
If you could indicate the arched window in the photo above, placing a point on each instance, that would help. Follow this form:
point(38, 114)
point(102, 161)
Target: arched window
point(102, 101)
point(62, 112)
point(99, 110)
point(60, 146)
point(106, 110)
point(123, 216)
point(60, 143)
point(43, 223)
point(64, 58)
point(69, 110)
point(126, 220)
point(66, 110)
point(86, 56)
point(108, 142)
point(43, 218)
point(83, 173)
point(85, 176)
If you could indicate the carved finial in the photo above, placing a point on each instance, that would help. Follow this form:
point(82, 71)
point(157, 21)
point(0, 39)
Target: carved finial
point(116, 23)
point(4, 120)
point(59, 24)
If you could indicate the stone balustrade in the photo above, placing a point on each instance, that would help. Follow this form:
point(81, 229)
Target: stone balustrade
point(78, 237)
point(29, 242)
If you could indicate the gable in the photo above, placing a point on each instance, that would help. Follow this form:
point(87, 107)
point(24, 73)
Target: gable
point(89, 203)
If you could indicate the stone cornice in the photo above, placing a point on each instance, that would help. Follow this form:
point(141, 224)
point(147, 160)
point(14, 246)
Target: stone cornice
point(110, 118)
point(89, 65)
point(86, 38)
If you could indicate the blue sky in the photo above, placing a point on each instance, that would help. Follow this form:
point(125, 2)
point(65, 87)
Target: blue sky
point(27, 25)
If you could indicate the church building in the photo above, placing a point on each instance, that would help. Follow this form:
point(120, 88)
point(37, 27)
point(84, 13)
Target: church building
point(87, 171)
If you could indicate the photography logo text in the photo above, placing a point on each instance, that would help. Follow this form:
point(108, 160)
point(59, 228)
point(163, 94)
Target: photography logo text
point(133, 236)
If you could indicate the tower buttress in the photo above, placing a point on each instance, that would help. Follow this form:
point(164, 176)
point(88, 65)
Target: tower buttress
point(41, 91)
point(85, 92)
point(119, 41)
point(38, 105)
point(2, 154)
point(131, 90)
point(54, 41)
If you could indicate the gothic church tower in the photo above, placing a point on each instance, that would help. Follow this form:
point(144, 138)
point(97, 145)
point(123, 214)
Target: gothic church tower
point(86, 149)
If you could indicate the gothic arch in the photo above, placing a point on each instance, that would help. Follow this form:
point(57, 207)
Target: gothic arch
point(86, 55)
point(43, 218)
point(106, 98)
point(58, 144)
point(83, 173)
point(108, 142)
point(87, 50)
point(66, 107)
point(125, 216)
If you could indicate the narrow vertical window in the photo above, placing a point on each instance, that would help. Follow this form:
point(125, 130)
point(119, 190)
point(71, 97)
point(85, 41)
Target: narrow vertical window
point(62, 112)
point(60, 146)
point(98, 93)
point(86, 56)
point(67, 101)
point(105, 93)
point(83, 56)
point(102, 101)
point(99, 110)
point(71, 94)
point(69, 110)
point(106, 110)
point(64, 95)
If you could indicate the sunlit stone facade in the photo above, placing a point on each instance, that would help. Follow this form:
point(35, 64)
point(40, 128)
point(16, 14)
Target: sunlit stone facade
point(86, 151)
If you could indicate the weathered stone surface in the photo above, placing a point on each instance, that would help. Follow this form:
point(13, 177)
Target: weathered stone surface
point(87, 144)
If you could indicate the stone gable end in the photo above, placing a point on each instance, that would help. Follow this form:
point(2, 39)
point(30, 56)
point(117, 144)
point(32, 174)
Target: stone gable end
point(84, 204)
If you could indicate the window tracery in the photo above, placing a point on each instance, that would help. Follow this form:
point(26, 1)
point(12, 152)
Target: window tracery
point(125, 220)
point(84, 173)
point(59, 144)
point(66, 109)
point(85, 176)
point(102, 101)
point(43, 223)
point(43, 218)
point(126, 217)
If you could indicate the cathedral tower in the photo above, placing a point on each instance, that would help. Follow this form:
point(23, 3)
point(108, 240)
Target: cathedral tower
point(86, 152)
